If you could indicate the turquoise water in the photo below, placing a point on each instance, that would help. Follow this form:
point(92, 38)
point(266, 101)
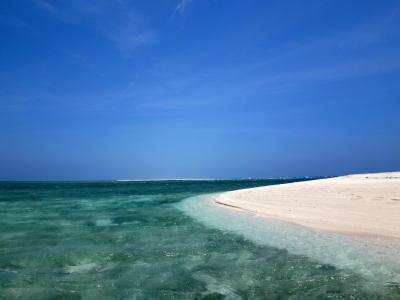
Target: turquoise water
point(134, 240)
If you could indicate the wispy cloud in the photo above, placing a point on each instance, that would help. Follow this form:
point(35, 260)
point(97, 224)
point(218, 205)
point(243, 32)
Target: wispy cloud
point(313, 60)
point(322, 73)
point(117, 21)
point(182, 6)
point(47, 6)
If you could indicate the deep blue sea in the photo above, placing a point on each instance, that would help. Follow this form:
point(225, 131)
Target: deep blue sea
point(136, 240)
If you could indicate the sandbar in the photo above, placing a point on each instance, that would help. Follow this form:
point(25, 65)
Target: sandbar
point(362, 204)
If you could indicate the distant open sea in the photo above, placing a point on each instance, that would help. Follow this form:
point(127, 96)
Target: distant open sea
point(133, 240)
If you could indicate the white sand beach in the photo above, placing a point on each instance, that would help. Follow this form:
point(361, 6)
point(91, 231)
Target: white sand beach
point(365, 204)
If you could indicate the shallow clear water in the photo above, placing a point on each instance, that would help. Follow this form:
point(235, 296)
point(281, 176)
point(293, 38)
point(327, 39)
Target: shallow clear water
point(133, 240)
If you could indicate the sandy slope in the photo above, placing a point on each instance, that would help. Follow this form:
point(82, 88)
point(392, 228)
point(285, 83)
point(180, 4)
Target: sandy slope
point(367, 204)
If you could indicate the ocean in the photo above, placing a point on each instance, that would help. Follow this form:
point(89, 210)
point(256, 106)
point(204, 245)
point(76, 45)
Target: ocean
point(153, 240)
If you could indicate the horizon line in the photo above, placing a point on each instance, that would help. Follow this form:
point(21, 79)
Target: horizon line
point(162, 179)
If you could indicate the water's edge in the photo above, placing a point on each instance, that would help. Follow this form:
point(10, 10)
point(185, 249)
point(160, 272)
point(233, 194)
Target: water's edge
point(376, 262)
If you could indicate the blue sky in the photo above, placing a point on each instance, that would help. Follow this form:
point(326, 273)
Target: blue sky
point(103, 89)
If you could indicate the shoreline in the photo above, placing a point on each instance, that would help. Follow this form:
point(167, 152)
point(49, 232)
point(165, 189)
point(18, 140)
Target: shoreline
point(361, 206)
point(375, 258)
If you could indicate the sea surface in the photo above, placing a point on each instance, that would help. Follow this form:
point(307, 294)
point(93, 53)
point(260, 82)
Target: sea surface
point(152, 240)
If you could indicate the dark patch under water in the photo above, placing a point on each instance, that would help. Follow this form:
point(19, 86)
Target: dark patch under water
point(127, 240)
